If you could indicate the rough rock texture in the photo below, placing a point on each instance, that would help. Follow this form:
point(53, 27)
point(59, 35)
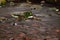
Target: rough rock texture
point(48, 28)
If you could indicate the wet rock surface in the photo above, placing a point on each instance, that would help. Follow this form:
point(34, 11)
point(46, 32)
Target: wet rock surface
point(48, 28)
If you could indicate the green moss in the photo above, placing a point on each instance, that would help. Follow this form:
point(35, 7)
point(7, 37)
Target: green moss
point(27, 14)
